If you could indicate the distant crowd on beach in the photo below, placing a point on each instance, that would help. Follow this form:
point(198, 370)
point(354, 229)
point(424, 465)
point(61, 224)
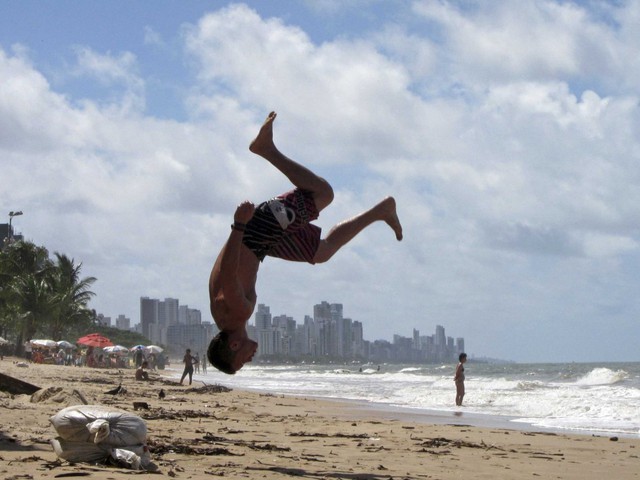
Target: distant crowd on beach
point(94, 357)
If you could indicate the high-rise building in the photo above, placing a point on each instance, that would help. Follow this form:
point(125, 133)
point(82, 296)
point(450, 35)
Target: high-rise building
point(104, 321)
point(262, 317)
point(196, 337)
point(168, 312)
point(123, 323)
point(148, 315)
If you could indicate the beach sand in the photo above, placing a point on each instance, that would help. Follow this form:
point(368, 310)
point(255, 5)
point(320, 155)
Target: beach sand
point(197, 432)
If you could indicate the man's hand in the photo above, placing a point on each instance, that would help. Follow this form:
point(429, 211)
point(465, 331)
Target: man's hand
point(244, 212)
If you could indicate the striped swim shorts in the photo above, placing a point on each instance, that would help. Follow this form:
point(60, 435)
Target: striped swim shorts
point(281, 228)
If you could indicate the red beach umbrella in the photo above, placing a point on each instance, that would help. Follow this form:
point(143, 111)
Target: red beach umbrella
point(95, 340)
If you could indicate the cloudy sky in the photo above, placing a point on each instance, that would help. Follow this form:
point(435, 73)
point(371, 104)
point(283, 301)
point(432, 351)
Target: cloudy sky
point(508, 132)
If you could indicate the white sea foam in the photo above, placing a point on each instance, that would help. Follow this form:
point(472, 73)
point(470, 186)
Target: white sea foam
point(603, 376)
point(576, 397)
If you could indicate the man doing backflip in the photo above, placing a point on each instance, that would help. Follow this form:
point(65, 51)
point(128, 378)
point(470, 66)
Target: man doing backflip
point(278, 228)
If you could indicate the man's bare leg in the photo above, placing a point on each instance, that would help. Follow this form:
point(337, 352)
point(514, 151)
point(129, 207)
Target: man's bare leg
point(297, 174)
point(343, 232)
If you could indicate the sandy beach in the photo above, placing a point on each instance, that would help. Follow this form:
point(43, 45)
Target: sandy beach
point(206, 431)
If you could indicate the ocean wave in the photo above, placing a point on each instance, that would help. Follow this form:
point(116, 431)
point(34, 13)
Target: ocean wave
point(529, 385)
point(602, 376)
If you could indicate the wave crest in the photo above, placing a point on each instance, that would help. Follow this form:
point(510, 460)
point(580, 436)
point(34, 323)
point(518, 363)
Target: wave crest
point(602, 376)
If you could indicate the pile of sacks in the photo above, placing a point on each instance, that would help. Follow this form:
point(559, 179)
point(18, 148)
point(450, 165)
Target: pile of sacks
point(94, 433)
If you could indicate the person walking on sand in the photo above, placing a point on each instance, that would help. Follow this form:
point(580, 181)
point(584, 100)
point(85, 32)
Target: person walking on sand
point(279, 228)
point(188, 366)
point(459, 378)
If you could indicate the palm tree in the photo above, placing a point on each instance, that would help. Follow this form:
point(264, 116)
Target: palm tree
point(71, 295)
point(24, 288)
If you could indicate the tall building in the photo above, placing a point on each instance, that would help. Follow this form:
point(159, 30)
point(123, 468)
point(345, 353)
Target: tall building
point(262, 317)
point(195, 337)
point(123, 323)
point(357, 339)
point(189, 316)
point(104, 321)
point(168, 312)
point(8, 234)
point(148, 316)
point(440, 338)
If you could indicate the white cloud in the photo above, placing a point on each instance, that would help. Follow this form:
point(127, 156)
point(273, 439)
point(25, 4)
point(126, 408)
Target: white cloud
point(108, 68)
point(152, 37)
point(515, 168)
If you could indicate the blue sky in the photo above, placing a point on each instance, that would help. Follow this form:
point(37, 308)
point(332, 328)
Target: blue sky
point(507, 131)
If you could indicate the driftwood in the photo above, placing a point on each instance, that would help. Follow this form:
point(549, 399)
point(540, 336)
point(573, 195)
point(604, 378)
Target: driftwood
point(16, 386)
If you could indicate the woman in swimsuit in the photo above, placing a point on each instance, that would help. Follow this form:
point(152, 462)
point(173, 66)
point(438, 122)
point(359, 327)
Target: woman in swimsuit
point(459, 379)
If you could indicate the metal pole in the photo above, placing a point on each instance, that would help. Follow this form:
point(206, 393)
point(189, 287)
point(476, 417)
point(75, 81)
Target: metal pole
point(11, 215)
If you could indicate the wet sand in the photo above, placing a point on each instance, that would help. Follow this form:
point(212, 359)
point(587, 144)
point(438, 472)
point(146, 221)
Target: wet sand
point(206, 431)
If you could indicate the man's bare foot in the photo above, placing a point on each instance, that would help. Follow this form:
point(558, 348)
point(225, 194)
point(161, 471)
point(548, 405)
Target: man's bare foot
point(263, 142)
point(388, 206)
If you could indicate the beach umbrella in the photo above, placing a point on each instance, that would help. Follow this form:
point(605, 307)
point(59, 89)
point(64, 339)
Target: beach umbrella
point(154, 349)
point(117, 349)
point(44, 343)
point(137, 347)
point(95, 340)
point(65, 344)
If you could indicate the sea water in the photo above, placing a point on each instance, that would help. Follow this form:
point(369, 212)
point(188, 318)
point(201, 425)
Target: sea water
point(602, 398)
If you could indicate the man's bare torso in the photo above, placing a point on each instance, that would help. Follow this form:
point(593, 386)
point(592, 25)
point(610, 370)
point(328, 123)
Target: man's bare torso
point(232, 308)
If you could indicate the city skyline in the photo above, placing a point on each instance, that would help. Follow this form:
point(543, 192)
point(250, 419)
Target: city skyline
point(327, 334)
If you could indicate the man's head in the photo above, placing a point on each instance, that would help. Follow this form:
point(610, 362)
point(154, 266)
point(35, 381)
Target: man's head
point(228, 352)
point(145, 364)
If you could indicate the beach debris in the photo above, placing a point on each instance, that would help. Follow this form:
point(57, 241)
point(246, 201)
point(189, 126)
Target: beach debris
point(163, 414)
point(179, 446)
point(95, 433)
point(440, 442)
point(140, 406)
point(325, 435)
point(116, 391)
point(15, 386)
point(208, 389)
point(60, 395)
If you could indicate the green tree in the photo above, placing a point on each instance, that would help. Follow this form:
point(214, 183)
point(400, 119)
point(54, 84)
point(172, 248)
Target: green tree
point(71, 295)
point(24, 289)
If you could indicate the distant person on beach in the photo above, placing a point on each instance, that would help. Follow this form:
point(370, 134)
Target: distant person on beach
point(138, 357)
point(28, 351)
point(196, 363)
point(188, 366)
point(459, 378)
point(279, 228)
point(141, 372)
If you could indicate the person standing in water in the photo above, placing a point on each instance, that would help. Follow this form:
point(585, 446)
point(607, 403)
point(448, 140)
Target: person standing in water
point(459, 378)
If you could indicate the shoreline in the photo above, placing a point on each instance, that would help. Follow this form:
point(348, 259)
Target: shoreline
point(359, 407)
point(198, 432)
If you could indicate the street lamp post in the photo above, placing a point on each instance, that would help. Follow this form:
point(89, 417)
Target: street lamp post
point(11, 215)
